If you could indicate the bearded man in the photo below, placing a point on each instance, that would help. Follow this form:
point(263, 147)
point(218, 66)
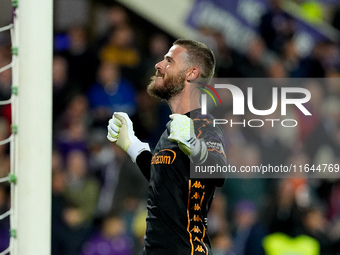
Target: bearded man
point(177, 204)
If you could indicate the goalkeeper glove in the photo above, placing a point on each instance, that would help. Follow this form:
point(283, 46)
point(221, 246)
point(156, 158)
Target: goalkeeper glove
point(182, 131)
point(120, 131)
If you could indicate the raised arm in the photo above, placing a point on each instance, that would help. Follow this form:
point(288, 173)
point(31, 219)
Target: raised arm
point(120, 131)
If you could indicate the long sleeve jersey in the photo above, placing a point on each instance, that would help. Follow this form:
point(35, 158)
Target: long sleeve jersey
point(177, 204)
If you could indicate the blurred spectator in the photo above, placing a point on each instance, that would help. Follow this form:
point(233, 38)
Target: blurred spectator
point(110, 93)
point(146, 125)
point(222, 244)
point(58, 202)
point(301, 188)
point(131, 183)
point(77, 110)
point(250, 65)
point(246, 187)
point(119, 177)
point(313, 65)
point(287, 222)
point(81, 189)
point(117, 17)
point(62, 89)
point(276, 27)
point(57, 162)
point(105, 167)
point(331, 58)
point(245, 218)
point(158, 46)
point(217, 215)
point(58, 188)
point(206, 36)
point(68, 228)
point(73, 137)
point(81, 58)
point(276, 70)
point(273, 151)
point(110, 240)
point(138, 228)
point(282, 213)
point(315, 225)
point(314, 106)
point(227, 59)
point(324, 134)
point(70, 235)
point(120, 48)
point(290, 59)
point(73, 202)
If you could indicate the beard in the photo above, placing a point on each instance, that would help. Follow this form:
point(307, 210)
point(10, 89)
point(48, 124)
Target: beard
point(172, 86)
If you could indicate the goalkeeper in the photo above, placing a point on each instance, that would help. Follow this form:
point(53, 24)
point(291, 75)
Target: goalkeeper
point(177, 204)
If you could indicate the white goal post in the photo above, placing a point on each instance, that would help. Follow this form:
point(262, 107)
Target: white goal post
point(32, 113)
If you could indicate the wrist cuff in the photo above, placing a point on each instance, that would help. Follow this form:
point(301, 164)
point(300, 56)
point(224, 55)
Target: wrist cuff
point(200, 153)
point(136, 148)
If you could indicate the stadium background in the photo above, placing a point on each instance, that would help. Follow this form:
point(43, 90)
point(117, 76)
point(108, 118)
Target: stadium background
point(104, 54)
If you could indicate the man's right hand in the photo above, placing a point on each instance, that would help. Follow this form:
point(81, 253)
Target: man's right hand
point(120, 131)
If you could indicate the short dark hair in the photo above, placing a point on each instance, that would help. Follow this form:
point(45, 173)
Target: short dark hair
point(199, 54)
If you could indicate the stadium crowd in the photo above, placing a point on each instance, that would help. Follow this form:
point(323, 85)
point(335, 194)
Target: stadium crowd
point(98, 193)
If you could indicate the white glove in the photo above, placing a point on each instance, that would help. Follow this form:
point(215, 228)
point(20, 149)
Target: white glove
point(120, 131)
point(182, 131)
